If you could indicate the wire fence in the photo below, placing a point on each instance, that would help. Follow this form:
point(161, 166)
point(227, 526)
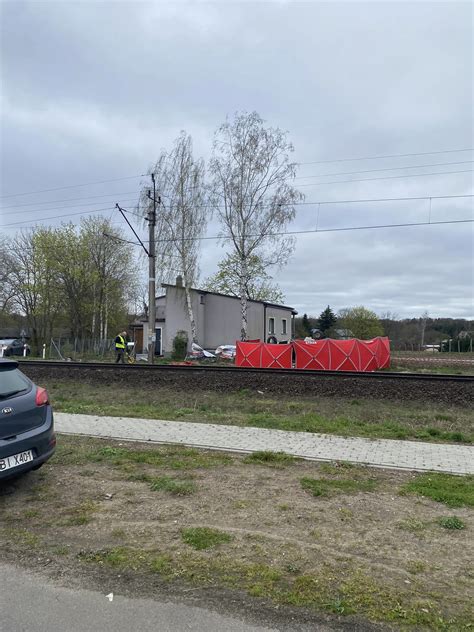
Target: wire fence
point(456, 345)
point(74, 348)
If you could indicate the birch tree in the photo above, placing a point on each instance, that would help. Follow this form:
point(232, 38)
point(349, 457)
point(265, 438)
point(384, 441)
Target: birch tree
point(181, 216)
point(251, 175)
point(6, 266)
point(259, 285)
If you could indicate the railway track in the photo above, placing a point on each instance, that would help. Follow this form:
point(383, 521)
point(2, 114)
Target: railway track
point(215, 370)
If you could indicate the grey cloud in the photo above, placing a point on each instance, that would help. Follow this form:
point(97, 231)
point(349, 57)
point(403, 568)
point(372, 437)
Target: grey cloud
point(93, 91)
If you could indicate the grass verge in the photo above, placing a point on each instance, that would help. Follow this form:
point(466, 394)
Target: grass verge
point(201, 538)
point(327, 486)
point(363, 418)
point(453, 491)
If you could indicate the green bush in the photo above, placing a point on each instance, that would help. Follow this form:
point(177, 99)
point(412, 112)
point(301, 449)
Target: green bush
point(180, 345)
point(452, 522)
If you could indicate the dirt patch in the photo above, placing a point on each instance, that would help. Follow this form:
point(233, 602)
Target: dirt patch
point(357, 549)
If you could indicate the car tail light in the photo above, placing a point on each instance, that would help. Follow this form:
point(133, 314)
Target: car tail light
point(42, 397)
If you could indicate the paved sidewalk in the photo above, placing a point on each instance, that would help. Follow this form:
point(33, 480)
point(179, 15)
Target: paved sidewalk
point(412, 455)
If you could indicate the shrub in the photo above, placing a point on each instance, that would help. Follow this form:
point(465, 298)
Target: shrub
point(452, 522)
point(180, 345)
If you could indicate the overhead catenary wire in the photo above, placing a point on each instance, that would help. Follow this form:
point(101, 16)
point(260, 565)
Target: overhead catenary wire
point(349, 173)
point(30, 221)
point(314, 162)
point(73, 186)
point(89, 197)
point(425, 153)
point(59, 208)
point(316, 202)
point(408, 175)
point(329, 230)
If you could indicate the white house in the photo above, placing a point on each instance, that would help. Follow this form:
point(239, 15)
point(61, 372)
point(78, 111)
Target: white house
point(217, 317)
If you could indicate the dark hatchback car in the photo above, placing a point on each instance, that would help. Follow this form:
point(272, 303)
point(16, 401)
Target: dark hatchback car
point(14, 346)
point(27, 436)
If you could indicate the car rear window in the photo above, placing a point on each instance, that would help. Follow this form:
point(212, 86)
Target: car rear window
point(12, 381)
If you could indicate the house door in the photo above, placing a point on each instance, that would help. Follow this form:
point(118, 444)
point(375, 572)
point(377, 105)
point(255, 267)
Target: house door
point(158, 341)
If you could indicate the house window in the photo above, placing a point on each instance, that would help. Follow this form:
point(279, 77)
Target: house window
point(201, 299)
point(271, 325)
point(283, 326)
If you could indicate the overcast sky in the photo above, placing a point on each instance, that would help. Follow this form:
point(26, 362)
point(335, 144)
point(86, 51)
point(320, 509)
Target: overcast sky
point(93, 91)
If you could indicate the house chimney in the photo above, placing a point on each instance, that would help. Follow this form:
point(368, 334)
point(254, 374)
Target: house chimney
point(179, 281)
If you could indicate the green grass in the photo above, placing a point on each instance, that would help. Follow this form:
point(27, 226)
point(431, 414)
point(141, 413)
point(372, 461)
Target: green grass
point(327, 486)
point(326, 589)
point(201, 538)
point(81, 514)
point(71, 452)
point(174, 457)
point(413, 525)
point(452, 522)
point(453, 491)
point(266, 457)
point(345, 417)
point(173, 486)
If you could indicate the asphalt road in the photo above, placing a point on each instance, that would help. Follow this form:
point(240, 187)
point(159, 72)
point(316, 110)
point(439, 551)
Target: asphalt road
point(31, 603)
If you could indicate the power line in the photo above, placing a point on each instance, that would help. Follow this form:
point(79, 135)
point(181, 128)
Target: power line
point(314, 162)
point(90, 197)
point(426, 153)
point(399, 199)
point(409, 175)
point(73, 186)
point(358, 201)
point(28, 221)
point(349, 173)
point(58, 208)
point(328, 230)
point(321, 202)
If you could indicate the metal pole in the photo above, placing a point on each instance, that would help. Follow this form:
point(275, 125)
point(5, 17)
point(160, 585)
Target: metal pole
point(151, 278)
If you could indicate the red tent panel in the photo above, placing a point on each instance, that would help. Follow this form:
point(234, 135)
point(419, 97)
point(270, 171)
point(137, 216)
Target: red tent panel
point(368, 357)
point(312, 355)
point(322, 355)
point(343, 355)
point(249, 354)
point(276, 356)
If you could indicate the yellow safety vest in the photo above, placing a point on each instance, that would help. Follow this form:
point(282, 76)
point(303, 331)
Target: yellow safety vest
point(121, 344)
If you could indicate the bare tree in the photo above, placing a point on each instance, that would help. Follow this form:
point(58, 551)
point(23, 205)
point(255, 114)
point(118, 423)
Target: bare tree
point(182, 216)
point(34, 283)
point(6, 265)
point(423, 322)
point(251, 172)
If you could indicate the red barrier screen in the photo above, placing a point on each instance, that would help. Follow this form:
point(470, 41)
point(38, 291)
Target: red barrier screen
point(249, 354)
point(322, 355)
point(343, 355)
point(276, 356)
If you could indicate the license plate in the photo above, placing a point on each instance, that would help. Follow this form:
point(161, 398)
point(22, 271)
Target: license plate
point(16, 460)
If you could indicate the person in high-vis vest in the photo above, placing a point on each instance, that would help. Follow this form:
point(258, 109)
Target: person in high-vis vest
point(120, 346)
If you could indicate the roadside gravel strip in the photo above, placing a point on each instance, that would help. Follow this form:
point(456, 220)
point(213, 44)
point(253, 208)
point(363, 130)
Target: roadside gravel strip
point(387, 453)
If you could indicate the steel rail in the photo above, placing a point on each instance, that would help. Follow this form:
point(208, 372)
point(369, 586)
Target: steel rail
point(172, 368)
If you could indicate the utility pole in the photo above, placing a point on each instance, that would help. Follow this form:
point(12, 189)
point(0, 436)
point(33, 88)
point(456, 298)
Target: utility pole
point(150, 252)
point(152, 277)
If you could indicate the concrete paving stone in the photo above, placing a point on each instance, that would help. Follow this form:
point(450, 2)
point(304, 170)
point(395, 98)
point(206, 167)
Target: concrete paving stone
point(412, 455)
